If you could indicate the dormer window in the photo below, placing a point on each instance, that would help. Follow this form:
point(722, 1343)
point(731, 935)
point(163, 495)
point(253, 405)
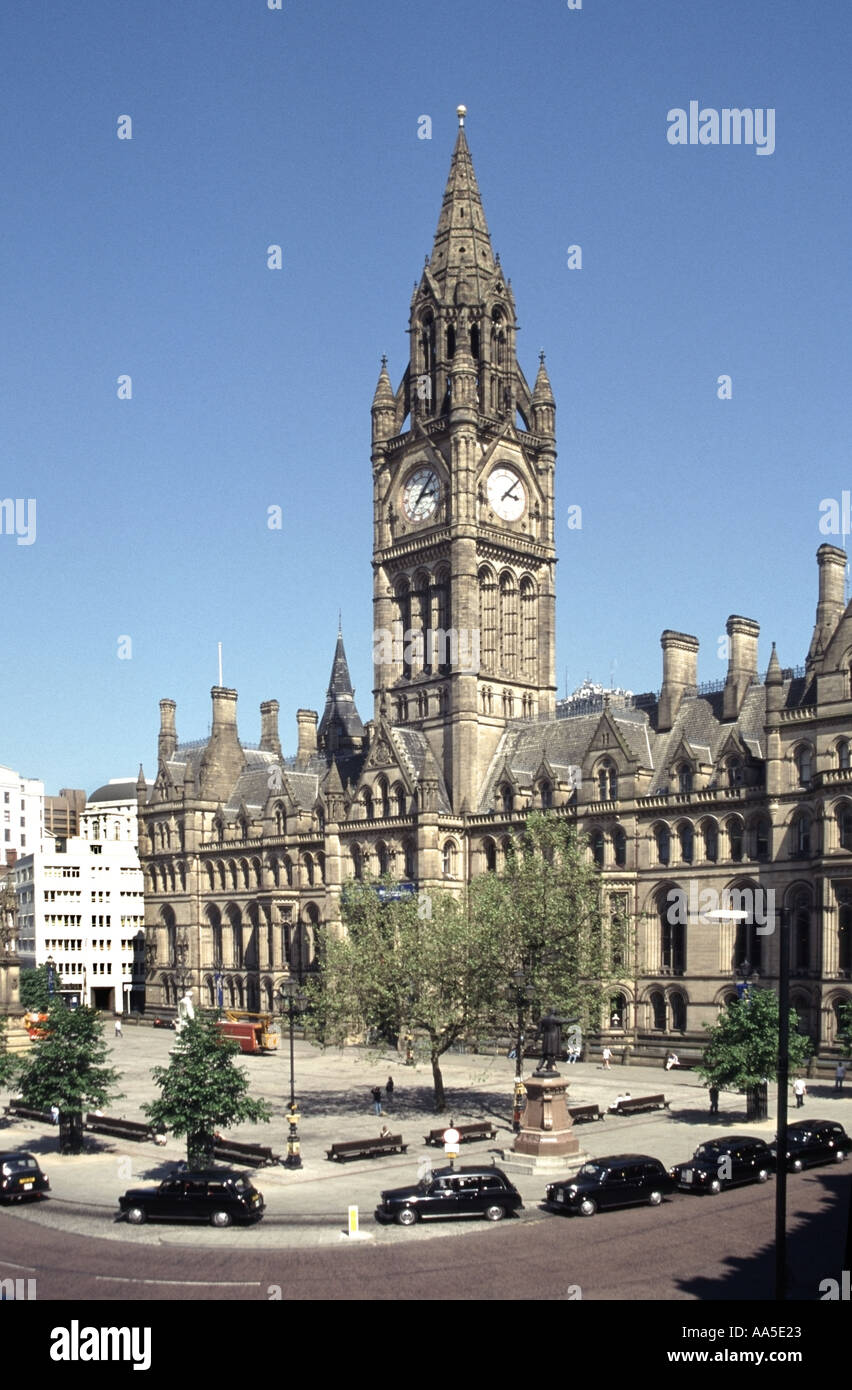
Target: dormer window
point(684, 779)
point(734, 771)
point(546, 791)
point(607, 781)
point(506, 798)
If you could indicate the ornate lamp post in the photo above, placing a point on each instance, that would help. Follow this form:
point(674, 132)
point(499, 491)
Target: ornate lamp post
point(292, 1002)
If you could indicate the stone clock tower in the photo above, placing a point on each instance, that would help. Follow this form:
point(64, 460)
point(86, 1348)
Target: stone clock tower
point(463, 552)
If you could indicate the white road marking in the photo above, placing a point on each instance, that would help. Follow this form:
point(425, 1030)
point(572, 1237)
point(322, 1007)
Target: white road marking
point(31, 1269)
point(182, 1283)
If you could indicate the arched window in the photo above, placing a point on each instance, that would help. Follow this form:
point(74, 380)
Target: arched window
point(448, 859)
point(619, 847)
point(367, 800)
point(509, 623)
point(672, 934)
point(488, 618)
point(842, 752)
point(607, 781)
point(529, 628)
point(678, 1007)
point(684, 779)
point(308, 863)
point(617, 1011)
point(489, 849)
point(710, 836)
point(662, 838)
point(357, 862)
point(658, 1010)
point(844, 826)
point(506, 798)
point(686, 840)
point(409, 859)
point(802, 837)
point(402, 598)
point(280, 818)
point(735, 839)
point(546, 794)
point(597, 839)
point(383, 798)
point(618, 932)
point(96, 830)
point(801, 942)
point(804, 764)
point(399, 799)
point(760, 835)
point(383, 858)
point(844, 938)
point(734, 772)
point(748, 946)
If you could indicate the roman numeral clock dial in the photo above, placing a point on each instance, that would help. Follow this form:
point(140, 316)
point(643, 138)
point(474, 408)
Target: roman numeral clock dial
point(506, 494)
point(420, 494)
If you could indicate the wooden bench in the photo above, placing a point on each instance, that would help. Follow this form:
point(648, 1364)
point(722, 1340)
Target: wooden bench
point(28, 1112)
point(637, 1104)
point(119, 1129)
point(255, 1155)
point(580, 1114)
point(366, 1148)
point(468, 1134)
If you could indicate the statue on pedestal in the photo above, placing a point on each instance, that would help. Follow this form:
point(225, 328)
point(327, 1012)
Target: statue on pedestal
point(186, 1011)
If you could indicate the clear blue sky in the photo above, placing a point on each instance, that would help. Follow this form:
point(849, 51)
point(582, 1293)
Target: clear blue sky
point(252, 387)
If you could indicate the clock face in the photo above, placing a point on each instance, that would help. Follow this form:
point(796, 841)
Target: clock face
point(506, 494)
point(420, 494)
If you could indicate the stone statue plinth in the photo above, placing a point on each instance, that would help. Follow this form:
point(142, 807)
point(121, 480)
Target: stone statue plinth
point(547, 1133)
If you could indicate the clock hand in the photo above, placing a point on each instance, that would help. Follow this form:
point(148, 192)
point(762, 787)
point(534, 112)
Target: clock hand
point(510, 493)
point(423, 492)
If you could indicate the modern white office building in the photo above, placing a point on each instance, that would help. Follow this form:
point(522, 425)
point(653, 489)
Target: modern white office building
point(21, 814)
point(81, 904)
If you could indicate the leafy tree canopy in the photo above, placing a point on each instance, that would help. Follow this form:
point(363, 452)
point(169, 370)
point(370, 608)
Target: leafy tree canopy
point(742, 1049)
point(201, 1089)
point(67, 1067)
point(35, 992)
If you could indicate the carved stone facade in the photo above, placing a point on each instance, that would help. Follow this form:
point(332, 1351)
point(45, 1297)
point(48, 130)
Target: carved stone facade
point(688, 796)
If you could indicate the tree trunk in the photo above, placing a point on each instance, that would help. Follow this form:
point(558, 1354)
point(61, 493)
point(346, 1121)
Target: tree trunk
point(199, 1151)
point(438, 1083)
point(71, 1133)
point(757, 1103)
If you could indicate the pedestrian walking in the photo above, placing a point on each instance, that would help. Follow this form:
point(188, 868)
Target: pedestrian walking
point(118, 1032)
point(389, 1089)
point(607, 1056)
point(714, 1100)
point(800, 1090)
point(376, 1093)
point(839, 1076)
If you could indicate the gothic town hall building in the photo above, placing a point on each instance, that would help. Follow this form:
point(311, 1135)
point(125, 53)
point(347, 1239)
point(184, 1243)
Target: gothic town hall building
point(743, 788)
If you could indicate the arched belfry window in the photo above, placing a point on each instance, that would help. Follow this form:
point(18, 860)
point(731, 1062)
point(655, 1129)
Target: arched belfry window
point(402, 604)
point(529, 628)
point(509, 622)
point(488, 618)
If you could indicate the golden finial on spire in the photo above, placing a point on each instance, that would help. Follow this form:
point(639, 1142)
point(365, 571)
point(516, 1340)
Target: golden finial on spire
point(461, 112)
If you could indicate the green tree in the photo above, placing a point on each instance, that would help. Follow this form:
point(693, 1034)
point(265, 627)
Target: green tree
point(66, 1068)
point(544, 908)
point(202, 1090)
point(35, 989)
point(844, 1029)
point(420, 963)
point(742, 1051)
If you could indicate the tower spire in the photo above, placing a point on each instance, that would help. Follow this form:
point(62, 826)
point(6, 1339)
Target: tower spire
point(462, 245)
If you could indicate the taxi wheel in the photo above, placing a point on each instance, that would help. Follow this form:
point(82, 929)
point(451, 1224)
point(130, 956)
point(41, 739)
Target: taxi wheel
point(588, 1207)
point(715, 1187)
point(763, 1175)
point(406, 1217)
point(495, 1213)
point(220, 1218)
point(655, 1198)
point(136, 1216)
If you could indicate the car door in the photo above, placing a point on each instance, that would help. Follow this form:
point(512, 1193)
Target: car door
point(168, 1202)
point(443, 1200)
point(614, 1190)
